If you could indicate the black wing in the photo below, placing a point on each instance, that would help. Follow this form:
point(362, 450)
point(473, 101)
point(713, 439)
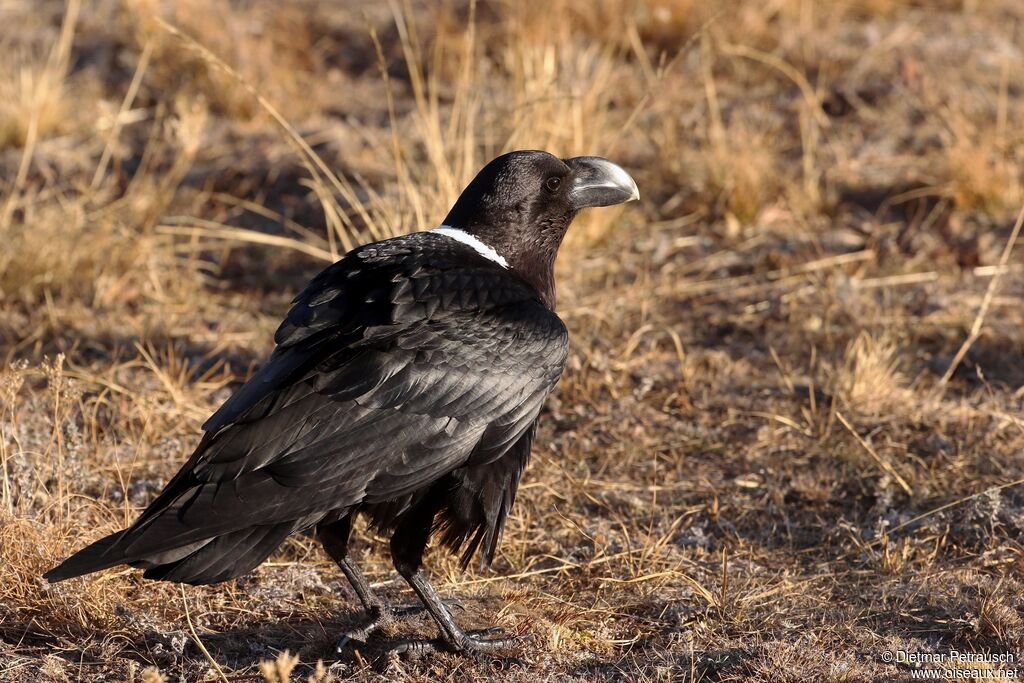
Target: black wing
point(407, 359)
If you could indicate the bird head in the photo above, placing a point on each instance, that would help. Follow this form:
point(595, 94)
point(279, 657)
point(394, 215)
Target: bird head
point(521, 204)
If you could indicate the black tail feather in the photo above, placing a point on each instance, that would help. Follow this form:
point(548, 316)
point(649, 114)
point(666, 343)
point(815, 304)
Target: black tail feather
point(92, 558)
point(225, 557)
point(209, 561)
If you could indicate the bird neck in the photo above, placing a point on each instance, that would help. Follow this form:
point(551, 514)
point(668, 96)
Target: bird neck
point(529, 251)
point(538, 270)
point(535, 265)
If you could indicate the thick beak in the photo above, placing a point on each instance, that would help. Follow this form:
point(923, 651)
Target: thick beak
point(599, 182)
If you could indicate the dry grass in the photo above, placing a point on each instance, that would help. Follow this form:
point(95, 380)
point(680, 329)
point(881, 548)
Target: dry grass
point(791, 433)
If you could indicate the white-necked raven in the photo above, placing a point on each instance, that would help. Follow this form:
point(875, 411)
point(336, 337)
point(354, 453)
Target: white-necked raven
point(405, 386)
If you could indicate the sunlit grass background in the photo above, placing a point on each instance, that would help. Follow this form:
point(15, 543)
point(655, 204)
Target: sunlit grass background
point(791, 433)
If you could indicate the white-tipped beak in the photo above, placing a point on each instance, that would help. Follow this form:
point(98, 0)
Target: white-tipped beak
point(599, 182)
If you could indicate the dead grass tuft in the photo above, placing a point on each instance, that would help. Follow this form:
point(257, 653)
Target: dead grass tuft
point(152, 675)
point(270, 45)
point(279, 670)
point(870, 379)
point(33, 96)
point(983, 176)
point(740, 175)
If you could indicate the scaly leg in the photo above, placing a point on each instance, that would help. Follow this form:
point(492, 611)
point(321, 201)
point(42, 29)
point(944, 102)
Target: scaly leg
point(407, 546)
point(379, 614)
point(453, 638)
point(334, 538)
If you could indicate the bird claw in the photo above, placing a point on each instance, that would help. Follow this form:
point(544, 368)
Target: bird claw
point(379, 617)
point(470, 642)
point(385, 616)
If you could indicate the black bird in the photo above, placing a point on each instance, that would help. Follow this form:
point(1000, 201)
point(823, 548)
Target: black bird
point(405, 386)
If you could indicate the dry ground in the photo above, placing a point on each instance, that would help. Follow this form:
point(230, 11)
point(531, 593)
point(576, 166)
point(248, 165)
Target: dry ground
point(791, 434)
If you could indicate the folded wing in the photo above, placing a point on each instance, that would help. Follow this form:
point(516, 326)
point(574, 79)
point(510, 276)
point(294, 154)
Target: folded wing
point(402, 362)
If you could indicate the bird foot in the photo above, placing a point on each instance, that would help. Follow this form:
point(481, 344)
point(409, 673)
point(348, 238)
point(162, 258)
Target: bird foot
point(377, 617)
point(470, 643)
point(382, 616)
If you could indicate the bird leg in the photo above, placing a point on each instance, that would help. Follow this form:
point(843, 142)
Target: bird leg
point(407, 545)
point(379, 614)
point(334, 538)
point(453, 638)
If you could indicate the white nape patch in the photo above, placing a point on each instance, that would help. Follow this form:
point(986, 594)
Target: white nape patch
point(464, 237)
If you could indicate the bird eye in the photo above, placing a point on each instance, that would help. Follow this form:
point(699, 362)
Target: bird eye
point(553, 183)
